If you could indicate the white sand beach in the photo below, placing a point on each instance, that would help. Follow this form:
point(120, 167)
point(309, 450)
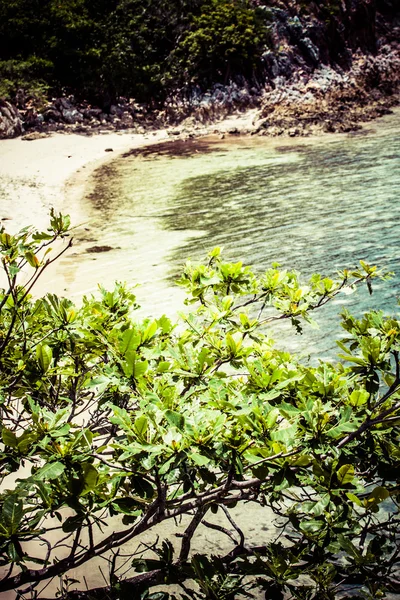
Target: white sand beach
point(55, 171)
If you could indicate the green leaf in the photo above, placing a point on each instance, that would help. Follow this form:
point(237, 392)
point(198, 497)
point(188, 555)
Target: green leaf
point(140, 426)
point(150, 331)
point(90, 477)
point(337, 431)
point(354, 499)
point(378, 495)
point(126, 506)
point(199, 459)
point(142, 487)
point(32, 259)
point(12, 513)
point(44, 355)
point(72, 523)
point(12, 552)
point(50, 471)
point(358, 397)
point(140, 368)
point(142, 565)
point(312, 526)
point(121, 418)
point(175, 419)
point(345, 474)
point(9, 438)
point(286, 435)
point(130, 341)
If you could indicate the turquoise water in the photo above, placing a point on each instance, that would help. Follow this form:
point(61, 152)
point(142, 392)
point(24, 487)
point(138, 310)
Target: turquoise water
point(314, 205)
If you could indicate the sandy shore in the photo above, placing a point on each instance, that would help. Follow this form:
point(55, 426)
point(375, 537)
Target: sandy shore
point(36, 175)
point(55, 171)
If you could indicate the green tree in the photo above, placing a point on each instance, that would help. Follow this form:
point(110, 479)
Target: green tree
point(149, 420)
point(225, 40)
point(102, 50)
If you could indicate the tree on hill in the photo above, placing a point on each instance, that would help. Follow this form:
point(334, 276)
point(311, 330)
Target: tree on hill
point(102, 50)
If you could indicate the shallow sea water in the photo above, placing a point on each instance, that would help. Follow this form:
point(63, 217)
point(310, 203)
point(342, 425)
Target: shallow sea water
point(315, 205)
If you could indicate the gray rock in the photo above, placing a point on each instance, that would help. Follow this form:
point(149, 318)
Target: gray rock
point(310, 50)
point(92, 113)
point(35, 135)
point(52, 114)
point(10, 121)
point(72, 116)
point(65, 104)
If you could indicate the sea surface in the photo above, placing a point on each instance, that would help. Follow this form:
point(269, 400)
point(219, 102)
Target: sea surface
point(310, 204)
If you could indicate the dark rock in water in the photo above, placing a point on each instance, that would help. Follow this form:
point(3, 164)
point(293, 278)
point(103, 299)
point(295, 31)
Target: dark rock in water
point(96, 249)
point(10, 121)
point(108, 150)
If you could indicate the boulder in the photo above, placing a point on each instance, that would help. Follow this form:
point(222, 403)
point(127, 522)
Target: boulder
point(32, 119)
point(52, 114)
point(72, 116)
point(10, 121)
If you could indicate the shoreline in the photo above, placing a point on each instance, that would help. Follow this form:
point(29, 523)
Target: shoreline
point(60, 170)
point(54, 170)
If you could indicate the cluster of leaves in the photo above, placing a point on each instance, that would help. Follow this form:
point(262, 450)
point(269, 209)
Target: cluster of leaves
point(147, 420)
point(101, 50)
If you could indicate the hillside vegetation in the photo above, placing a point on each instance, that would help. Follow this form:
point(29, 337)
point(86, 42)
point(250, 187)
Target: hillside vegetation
point(100, 50)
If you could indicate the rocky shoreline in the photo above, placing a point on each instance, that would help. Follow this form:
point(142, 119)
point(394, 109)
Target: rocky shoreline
point(323, 75)
point(328, 100)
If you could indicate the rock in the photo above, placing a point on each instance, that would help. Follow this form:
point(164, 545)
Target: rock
point(52, 114)
point(310, 50)
point(108, 150)
point(65, 104)
point(117, 111)
point(233, 131)
point(92, 113)
point(35, 135)
point(32, 119)
point(72, 116)
point(10, 121)
point(96, 249)
point(20, 99)
point(294, 132)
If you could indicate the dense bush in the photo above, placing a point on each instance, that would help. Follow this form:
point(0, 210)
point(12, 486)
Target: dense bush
point(103, 414)
point(224, 40)
point(100, 50)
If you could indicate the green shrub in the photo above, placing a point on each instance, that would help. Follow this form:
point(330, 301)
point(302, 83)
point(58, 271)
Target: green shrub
point(153, 420)
point(29, 75)
point(225, 40)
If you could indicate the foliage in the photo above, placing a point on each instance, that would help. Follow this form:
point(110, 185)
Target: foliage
point(147, 420)
point(225, 39)
point(28, 75)
point(101, 50)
